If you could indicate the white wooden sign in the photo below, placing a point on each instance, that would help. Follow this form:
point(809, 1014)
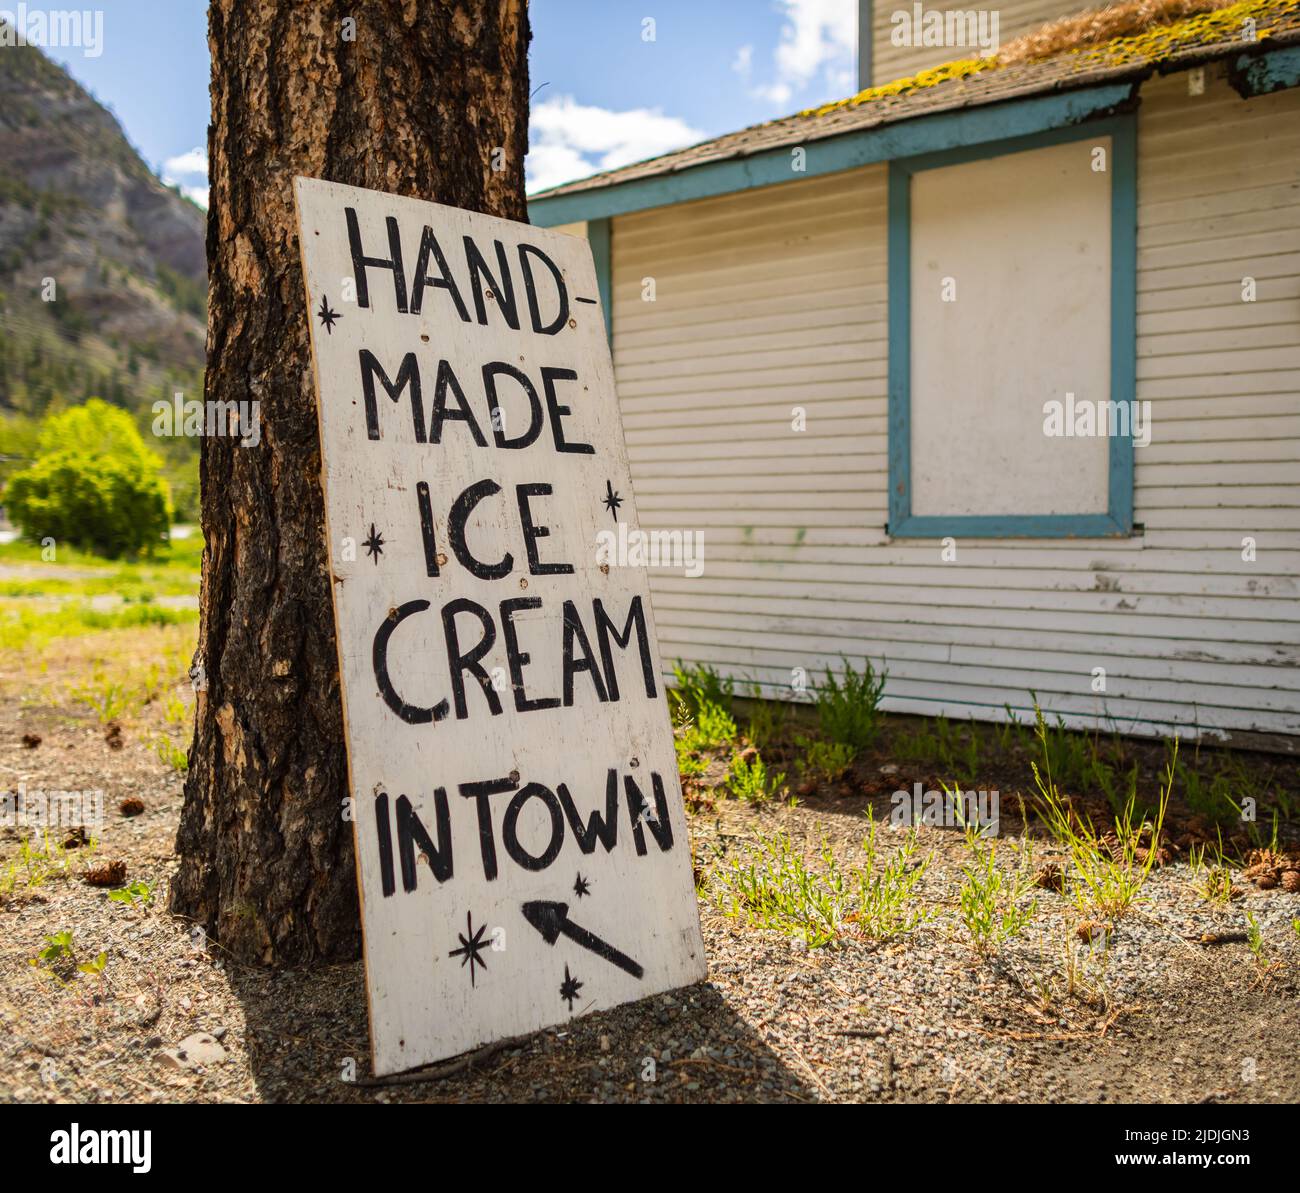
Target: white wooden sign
point(521, 843)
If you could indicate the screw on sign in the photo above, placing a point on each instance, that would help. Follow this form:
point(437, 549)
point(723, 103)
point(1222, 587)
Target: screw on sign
point(470, 439)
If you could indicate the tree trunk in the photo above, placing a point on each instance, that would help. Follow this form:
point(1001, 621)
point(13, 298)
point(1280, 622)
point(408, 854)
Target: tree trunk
point(409, 97)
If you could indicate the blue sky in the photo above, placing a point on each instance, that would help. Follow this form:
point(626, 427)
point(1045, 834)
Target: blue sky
point(605, 94)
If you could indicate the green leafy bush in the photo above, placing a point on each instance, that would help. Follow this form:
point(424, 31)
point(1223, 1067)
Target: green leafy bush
point(94, 485)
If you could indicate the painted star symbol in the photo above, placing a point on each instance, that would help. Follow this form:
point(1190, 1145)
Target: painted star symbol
point(611, 500)
point(326, 316)
point(581, 887)
point(374, 545)
point(569, 988)
point(471, 946)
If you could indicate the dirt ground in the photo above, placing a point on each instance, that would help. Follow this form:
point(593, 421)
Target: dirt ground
point(1172, 1006)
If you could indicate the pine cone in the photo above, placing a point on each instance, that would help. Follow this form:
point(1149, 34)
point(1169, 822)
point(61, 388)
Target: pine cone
point(109, 874)
point(1051, 878)
point(1291, 880)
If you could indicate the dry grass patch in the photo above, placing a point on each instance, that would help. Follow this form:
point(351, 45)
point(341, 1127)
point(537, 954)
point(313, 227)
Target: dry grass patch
point(1100, 25)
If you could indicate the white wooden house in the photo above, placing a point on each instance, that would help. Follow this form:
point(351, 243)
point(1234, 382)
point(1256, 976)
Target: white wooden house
point(836, 337)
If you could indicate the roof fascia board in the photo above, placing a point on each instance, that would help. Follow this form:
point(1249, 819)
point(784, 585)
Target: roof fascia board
point(903, 138)
point(1260, 74)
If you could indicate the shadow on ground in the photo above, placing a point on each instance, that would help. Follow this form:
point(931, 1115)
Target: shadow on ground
point(307, 1041)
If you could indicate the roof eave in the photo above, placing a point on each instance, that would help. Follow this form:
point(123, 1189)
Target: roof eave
point(1067, 102)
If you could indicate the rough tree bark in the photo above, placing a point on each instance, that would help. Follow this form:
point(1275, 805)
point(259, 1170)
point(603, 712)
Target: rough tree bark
point(411, 98)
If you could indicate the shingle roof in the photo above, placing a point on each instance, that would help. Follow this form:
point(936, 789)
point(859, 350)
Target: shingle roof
point(977, 82)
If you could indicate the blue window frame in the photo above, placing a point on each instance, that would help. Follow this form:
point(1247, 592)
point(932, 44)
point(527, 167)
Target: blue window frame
point(1118, 519)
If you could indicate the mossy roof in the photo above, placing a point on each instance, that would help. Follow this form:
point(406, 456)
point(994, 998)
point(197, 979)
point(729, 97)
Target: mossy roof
point(975, 82)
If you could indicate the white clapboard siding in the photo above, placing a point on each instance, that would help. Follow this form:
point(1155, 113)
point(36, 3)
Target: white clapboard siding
point(1015, 17)
point(774, 299)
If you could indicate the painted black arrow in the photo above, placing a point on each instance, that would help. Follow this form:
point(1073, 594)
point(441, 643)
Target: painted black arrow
point(552, 921)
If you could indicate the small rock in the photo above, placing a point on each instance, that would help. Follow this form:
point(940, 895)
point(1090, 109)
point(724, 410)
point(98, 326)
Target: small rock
point(202, 1048)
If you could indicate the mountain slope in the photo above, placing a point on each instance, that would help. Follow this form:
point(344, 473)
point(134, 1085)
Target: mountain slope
point(126, 253)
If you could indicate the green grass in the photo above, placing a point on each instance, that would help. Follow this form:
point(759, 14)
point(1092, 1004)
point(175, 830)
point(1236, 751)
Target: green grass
point(991, 902)
point(38, 861)
point(36, 609)
point(185, 554)
point(1108, 874)
point(20, 628)
point(771, 885)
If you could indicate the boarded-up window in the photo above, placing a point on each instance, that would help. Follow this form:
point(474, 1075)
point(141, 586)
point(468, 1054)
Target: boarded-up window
point(1010, 309)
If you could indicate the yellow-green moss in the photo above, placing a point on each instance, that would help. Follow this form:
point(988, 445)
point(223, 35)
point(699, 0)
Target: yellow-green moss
point(1154, 45)
point(946, 73)
point(1205, 29)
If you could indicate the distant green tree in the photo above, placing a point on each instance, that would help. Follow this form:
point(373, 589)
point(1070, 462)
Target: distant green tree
point(94, 485)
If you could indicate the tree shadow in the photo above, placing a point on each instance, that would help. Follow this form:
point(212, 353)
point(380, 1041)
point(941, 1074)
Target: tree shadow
point(308, 1041)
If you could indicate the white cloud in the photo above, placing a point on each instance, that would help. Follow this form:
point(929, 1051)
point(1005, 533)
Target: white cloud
point(193, 162)
point(818, 43)
point(569, 140)
point(777, 93)
point(743, 61)
point(189, 171)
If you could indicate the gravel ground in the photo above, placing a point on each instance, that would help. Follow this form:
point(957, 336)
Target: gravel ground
point(1156, 1015)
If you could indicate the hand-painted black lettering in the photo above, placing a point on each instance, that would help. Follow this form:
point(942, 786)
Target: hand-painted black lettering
point(427, 535)
point(469, 661)
point(412, 714)
point(604, 630)
point(533, 532)
point(530, 290)
point(407, 374)
point(447, 380)
point(480, 793)
point(517, 659)
point(510, 828)
point(598, 828)
point(360, 262)
point(639, 813)
point(461, 509)
point(429, 247)
point(411, 832)
point(384, 839)
point(575, 634)
point(490, 373)
point(549, 378)
point(502, 286)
